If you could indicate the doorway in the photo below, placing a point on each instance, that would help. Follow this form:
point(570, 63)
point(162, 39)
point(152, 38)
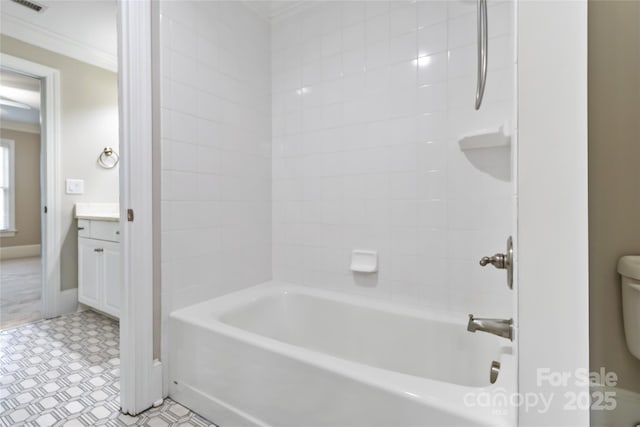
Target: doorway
point(141, 371)
point(127, 52)
point(46, 188)
point(21, 282)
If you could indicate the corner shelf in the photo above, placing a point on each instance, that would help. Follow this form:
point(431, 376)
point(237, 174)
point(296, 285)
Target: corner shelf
point(486, 138)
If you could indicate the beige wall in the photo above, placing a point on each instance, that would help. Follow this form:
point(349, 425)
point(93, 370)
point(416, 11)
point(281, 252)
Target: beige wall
point(27, 181)
point(89, 122)
point(614, 176)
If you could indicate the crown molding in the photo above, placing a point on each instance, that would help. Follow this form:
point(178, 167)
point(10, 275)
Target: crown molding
point(38, 36)
point(16, 126)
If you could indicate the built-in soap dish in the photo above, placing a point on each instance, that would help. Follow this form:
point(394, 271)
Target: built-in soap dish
point(486, 138)
point(364, 261)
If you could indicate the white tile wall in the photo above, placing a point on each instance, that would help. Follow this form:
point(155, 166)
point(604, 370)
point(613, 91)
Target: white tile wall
point(216, 150)
point(369, 100)
point(364, 103)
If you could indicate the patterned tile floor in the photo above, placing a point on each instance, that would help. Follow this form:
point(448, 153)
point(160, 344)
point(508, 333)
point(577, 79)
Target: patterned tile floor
point(65, 372)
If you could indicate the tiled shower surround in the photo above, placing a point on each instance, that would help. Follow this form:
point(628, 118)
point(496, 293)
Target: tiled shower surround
point(369, 101)
point(216, 150)
point(286, 144)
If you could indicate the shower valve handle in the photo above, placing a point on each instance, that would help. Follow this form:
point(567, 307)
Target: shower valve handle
point(498, 261)
point(502, 261)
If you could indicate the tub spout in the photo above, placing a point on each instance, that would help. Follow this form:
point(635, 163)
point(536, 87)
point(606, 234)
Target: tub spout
point(501, 327)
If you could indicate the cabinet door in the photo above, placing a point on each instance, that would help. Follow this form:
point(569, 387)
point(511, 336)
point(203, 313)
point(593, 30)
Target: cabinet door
point(89, 272)
point(112, 281)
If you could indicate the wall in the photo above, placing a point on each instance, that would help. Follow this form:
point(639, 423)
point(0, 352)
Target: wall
point(369, 101)
point(553, 330)
point(27, 180)
point(89, 122)
point(614, 174)
point(216, 150)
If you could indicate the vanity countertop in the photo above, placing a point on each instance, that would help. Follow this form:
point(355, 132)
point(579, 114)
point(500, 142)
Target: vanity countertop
point(98, 211)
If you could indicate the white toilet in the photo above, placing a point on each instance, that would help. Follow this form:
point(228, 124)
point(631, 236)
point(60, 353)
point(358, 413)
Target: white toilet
point(629, 269)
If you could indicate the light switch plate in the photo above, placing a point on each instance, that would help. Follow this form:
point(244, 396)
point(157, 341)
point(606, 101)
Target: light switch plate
point(75, 186)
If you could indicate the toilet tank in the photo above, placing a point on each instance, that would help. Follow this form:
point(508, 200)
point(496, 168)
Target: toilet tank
point(629, 269)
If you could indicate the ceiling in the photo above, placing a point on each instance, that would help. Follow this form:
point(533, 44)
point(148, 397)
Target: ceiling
point(19, 98)
point(84, 30)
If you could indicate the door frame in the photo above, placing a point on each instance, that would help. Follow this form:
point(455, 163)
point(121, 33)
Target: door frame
point(553, 246)
point(53, 304)
point(141, 374)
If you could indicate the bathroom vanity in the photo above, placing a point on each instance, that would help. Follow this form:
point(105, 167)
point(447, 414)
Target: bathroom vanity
point(99, 281)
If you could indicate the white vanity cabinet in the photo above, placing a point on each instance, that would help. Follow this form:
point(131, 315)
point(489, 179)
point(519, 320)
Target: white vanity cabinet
point(99, 281)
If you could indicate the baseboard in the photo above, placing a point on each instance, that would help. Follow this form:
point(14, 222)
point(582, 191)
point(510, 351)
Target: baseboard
point(68, 301)
point(13, 252)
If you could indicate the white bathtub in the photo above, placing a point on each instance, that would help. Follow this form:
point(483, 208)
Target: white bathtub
point(284, 355)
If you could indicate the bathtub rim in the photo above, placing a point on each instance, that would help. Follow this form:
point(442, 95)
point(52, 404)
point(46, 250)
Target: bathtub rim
point(233, 300)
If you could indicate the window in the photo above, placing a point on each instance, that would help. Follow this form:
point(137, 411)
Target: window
point(7, 186)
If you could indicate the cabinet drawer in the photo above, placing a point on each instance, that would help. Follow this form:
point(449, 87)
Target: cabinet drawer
point(84, 228)
point(105, 230)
